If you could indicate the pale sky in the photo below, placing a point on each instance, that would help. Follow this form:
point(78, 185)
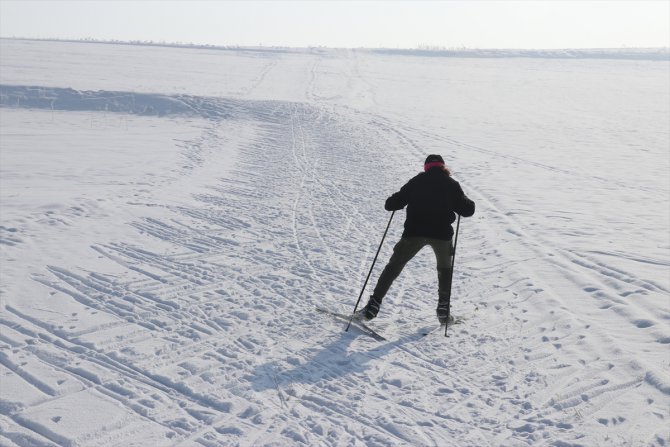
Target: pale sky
point(350, 24)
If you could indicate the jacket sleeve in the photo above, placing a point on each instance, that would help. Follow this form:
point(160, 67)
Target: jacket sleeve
point(464, 206)
point(398, 200)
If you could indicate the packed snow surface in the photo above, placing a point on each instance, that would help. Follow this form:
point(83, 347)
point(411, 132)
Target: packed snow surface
point(172, 217)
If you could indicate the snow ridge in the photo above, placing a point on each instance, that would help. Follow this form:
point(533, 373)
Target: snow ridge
point(18, 96)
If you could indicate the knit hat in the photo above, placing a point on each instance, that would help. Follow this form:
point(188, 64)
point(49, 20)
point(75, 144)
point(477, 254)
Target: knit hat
point(433, 161)
point(432, 158)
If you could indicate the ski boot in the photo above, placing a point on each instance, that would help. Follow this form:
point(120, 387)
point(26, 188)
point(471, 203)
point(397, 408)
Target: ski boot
point(370, 310)
point(443, 315)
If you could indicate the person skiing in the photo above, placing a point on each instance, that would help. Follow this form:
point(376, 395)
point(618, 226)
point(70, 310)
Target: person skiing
point(432, 198)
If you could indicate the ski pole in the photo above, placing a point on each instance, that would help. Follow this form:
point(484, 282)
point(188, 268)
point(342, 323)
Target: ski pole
point(451, 275)
point(370, 272)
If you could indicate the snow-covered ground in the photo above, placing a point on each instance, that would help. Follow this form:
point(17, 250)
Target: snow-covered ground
point(172, 217)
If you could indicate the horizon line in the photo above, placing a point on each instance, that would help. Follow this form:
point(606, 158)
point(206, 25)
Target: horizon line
point(420, 47)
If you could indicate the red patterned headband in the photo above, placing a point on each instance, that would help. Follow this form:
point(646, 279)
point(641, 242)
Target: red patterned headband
point(432, 164)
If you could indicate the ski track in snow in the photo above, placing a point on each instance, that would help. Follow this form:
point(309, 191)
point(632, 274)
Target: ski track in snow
point(208, 335)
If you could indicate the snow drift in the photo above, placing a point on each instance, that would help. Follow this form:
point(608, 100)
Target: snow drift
point(171, 217)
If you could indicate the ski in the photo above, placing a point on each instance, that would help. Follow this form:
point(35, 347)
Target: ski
point(452, 321)
point(364, 328)
point(427, 331)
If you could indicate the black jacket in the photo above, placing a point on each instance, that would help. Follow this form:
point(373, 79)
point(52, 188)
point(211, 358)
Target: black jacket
point(431, 198)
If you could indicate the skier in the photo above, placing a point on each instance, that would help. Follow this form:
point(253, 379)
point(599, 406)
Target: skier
point(431, 198)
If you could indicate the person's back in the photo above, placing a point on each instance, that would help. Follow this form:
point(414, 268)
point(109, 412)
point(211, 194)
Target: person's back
point(432, 199)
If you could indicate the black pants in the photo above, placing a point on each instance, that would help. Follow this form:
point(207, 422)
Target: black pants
point(404, 251)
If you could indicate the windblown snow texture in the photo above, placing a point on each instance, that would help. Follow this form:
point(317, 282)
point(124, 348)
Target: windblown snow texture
point(171, 217)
